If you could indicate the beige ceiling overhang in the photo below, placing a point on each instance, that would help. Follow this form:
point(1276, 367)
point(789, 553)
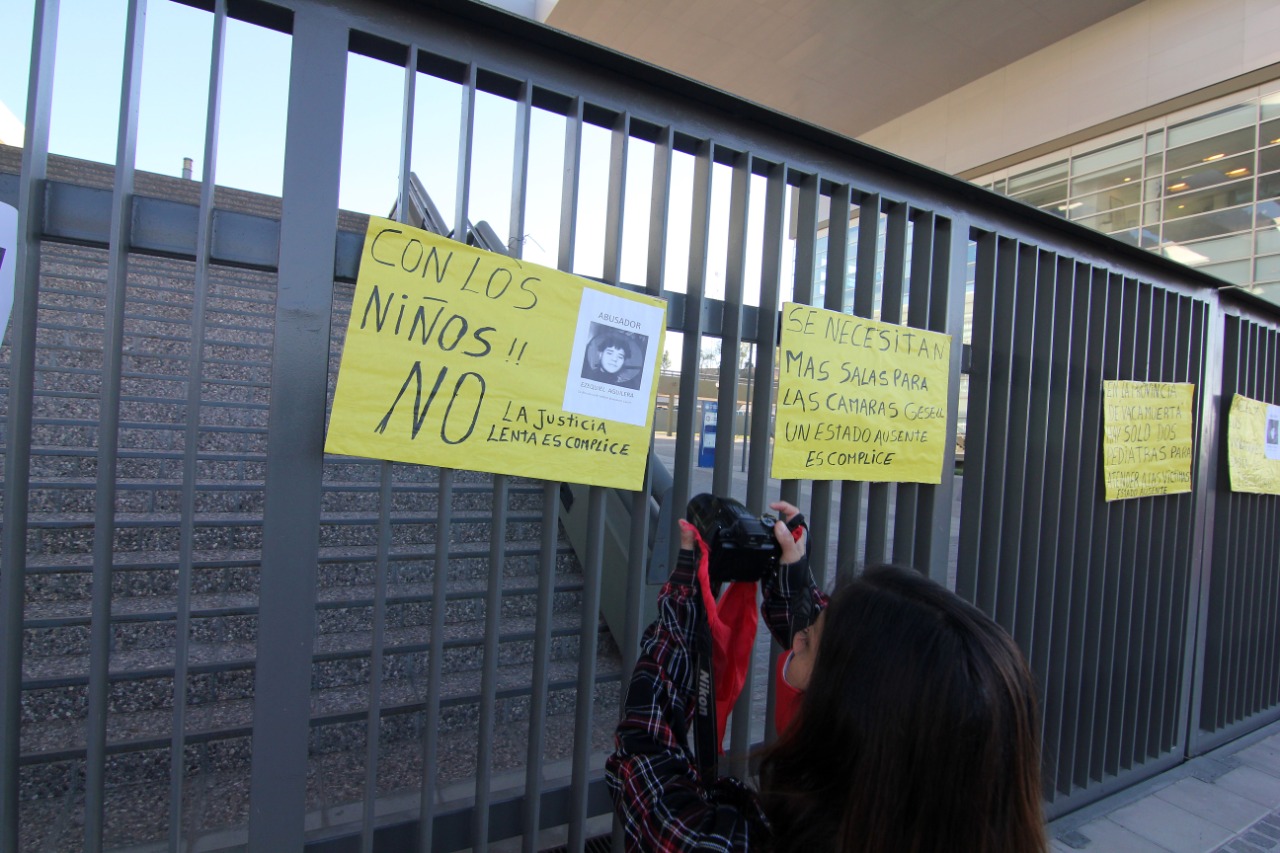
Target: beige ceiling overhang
point(847, 65)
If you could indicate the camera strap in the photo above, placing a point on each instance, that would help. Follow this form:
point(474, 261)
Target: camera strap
point(704, 712)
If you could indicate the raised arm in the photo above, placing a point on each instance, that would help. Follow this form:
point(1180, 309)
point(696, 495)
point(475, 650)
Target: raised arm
point(791, 599)
point(664, 803)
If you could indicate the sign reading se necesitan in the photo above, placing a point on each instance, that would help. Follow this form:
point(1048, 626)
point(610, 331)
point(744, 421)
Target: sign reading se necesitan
point(859, 399)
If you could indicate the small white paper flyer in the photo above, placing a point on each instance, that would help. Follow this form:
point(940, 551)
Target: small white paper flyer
point(615, 349)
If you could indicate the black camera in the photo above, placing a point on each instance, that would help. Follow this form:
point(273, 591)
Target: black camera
point(740, 546)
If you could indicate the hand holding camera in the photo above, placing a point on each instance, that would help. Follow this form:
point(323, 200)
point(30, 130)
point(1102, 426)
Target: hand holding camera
point(742, 546)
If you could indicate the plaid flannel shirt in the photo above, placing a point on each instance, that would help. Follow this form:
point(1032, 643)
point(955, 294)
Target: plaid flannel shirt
point(664, 803)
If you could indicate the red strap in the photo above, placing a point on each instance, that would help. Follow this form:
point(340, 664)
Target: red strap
point(788, 698)
point(733, 621)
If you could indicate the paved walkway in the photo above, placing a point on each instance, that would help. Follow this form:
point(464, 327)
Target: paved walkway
point(1227, 800)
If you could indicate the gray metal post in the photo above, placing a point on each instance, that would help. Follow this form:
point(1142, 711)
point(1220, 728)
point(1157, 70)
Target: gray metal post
point(295, 432)
point(204, 243)
point(109, 429)
point(17, 463)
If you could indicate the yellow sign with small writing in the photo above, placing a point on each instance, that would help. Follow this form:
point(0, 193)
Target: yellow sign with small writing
point(1253, 446)
point(859, 399)
point(1146, 438)
point(463, 358)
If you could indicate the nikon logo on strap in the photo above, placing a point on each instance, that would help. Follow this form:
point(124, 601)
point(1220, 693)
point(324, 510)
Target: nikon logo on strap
point(704, 692)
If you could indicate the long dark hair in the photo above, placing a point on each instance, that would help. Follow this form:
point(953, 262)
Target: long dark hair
point(918, 732)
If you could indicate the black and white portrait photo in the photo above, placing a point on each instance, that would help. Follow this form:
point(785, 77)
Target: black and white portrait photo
point(615, 356)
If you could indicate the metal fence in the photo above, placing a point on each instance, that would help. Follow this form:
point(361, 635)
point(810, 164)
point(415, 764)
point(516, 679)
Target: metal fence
point(214, 635)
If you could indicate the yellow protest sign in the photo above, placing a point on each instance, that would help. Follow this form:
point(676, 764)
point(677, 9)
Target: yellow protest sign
point(859, 399)
point(1253, 446)
point(463, 358)
point(1146, 438)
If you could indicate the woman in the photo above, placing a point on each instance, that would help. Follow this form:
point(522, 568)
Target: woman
point(917, 731)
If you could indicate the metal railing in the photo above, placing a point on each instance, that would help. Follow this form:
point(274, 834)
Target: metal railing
point(327, 713)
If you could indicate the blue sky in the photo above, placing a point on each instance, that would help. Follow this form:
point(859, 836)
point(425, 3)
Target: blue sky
point(175, 83)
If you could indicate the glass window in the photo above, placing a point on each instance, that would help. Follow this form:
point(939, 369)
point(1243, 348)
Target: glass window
point(1209, 225)
point(1268, 268)
point(1240, 115)
point(1044, 196)
point(1208, 175)
point(1153, 189)
point(1210, 251)
point(1151, 214)
point(1236, 272)
point(1209, 150)
point(1269, 185)
point(1113, 220)
point(1087, 205)
point(1155, 142)
point(1269, 159)
point(1037, 177)
point(1268, 240)
point(1125, 173)
point(1270, 132)
point(1269, 291)
point(1133, 236)
point(1216, 198)
point(1271, 105)
point(1106, 158)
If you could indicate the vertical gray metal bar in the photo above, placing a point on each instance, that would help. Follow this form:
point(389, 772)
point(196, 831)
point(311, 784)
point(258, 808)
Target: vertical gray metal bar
point(890, 312)
point(1266, 535)
point(489, 675)
point(295, 431)
point(946, 298)
point(444, 507)
point(1022, 519)
point(1037, 565)
point(1082, 678)
point(435, 666)
point(637, 559)
point(730, 352)
point(1071, 313)
point(806, 217)
point(191, 445)
point(1107, 546)
point(731, 329)
point(975, 443)
point(694, 320)
point(1120, 552)
point(1137, 654)
point(1185, 339)
point(852, 538)
point(109, 428)
point(571, 189)
point(1009, 265)
point(493, 597)
point(587, 645)
point(906, 525)
point(615, 206)
point(373, 719)
point(833, 300)
point(541, 665)
point(775, 199)
point(22, 352)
